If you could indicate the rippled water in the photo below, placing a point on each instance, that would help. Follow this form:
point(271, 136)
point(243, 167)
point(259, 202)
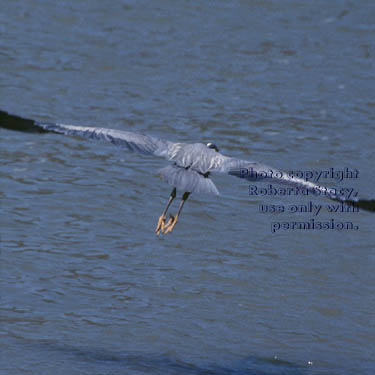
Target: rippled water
point(86, 286)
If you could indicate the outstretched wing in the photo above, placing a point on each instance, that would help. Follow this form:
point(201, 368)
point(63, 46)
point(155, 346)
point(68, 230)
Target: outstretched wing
point(133, 142)
point(253, 171)
point(194, 156)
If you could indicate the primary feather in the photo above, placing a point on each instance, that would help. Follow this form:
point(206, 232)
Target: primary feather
point(192, 162)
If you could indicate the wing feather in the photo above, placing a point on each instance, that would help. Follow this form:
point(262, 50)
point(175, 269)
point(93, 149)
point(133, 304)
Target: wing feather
point(131, 141)
point(192, 160)
point(254, 171)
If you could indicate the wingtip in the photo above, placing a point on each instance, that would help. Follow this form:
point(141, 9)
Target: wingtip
point(363, 204)
point(17, 123)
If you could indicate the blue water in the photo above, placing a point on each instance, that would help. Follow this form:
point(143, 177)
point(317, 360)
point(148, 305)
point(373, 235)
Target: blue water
point(86, 286)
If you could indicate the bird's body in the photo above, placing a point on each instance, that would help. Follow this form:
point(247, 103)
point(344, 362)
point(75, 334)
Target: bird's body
point(192, 165)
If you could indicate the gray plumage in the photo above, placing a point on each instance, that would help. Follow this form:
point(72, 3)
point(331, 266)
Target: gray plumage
point(192, 163)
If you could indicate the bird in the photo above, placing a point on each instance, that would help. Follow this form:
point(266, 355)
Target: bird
point(192, 164)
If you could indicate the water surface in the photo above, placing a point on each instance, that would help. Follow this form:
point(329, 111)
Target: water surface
point(86, 286)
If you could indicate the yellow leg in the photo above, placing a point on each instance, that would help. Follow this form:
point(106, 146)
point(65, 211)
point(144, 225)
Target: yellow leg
point(173, 220)
point(161, 222)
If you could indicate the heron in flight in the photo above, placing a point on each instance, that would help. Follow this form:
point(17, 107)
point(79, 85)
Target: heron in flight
point(192, 164)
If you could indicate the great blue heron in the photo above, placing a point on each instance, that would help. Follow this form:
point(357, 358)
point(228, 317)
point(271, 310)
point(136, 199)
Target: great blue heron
point(192, 163)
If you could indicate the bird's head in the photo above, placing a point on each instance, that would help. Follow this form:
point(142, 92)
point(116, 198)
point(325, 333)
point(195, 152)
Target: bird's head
point(213, 146)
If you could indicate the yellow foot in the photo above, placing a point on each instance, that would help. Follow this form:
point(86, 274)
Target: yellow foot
point(161, 225)
point(170, 225)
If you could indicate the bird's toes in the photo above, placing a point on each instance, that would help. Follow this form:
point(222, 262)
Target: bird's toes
point(161, 225)
point(170, 224)
point(170, 221)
